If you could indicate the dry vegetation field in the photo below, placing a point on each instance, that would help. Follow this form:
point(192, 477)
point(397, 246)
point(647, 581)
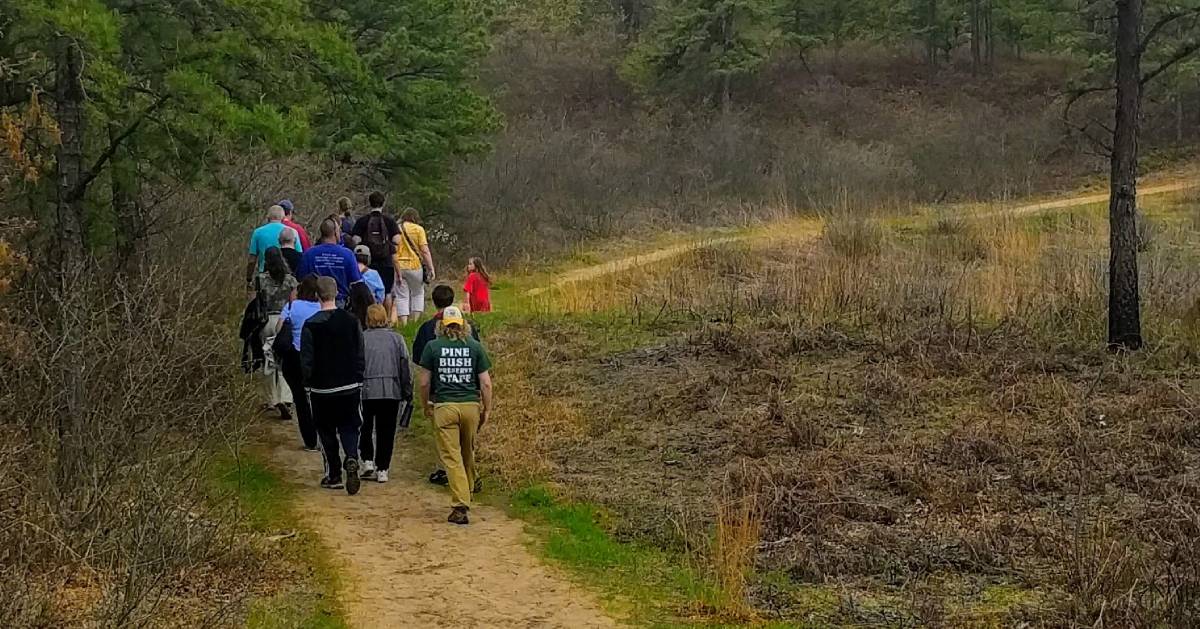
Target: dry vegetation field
point(901, 421)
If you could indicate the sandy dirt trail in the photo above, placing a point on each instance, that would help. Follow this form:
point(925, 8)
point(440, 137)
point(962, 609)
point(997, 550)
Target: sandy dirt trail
point(405, 567)
point(649, 257)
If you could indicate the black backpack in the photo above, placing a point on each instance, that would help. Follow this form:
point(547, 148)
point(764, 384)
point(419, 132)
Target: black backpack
point(378, 238)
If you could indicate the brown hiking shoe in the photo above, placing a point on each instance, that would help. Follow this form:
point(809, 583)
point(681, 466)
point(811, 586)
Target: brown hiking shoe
point(458, 516)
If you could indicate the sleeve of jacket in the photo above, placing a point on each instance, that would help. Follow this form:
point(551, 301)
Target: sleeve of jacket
point(360, 357)
point(306, 353)
point(406, 383)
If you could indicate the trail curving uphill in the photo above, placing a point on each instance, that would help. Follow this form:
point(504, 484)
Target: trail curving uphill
point(404, 566)
point(658, 255)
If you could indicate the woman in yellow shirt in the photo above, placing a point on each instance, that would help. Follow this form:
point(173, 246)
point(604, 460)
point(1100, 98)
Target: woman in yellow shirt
point(412, 250)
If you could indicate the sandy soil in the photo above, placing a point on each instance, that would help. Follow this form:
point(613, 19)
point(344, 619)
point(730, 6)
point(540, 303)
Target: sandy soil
point(405, 567)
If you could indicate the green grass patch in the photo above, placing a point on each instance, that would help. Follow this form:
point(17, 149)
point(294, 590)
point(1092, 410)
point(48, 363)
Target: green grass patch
point(644, 585)
point(305, 594)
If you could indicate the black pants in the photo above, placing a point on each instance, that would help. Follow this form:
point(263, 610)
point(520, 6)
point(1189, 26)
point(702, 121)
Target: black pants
point(338, 420)
point(388, 275)
point(290, 363)
point(379, 417)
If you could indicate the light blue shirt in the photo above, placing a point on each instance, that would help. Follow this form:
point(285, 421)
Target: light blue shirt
point(266, 237)
point(375, 282)
point(299, 311)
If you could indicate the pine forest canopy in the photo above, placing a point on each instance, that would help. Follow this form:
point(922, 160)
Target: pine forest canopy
point(168, 87)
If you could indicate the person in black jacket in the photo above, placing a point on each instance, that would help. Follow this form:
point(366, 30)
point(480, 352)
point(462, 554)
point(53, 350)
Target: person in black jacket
point(443, 297)
point(333, 362)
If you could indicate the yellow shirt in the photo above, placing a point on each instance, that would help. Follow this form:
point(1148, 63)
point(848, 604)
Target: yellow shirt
point(406, 258)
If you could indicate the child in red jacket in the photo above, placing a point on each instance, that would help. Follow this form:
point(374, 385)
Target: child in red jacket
point(478, 281)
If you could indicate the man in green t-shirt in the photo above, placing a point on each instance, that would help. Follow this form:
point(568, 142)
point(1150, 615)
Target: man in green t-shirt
point(461, 404)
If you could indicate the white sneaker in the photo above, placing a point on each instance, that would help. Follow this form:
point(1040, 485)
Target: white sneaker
point(381, 476)
point(368, 467)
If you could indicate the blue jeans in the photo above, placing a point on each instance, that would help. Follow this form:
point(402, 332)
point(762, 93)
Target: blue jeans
point(338, 421)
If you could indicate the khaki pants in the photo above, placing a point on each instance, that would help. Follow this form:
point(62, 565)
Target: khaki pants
point(275, 389)
point(456, 424)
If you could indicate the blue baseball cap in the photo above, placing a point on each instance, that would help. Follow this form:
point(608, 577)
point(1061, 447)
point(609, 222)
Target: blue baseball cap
point(287, 206)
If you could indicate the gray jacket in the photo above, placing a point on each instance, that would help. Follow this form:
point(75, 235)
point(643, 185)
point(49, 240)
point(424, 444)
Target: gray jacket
point(388, 375)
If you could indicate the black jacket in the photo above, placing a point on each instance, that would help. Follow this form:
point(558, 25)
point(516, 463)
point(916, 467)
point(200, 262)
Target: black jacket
point(250, 330)
point(331, 353)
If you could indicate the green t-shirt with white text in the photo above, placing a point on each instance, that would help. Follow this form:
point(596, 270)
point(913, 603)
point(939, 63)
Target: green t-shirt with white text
point(454, 367)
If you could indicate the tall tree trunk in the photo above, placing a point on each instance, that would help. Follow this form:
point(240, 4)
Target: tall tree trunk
point(991, 40)
point(1124, 305)
point(1179, 117)
point(131, 224)
point(976, 34)
point(70, 252)
point(931, 47)
point(69, 112)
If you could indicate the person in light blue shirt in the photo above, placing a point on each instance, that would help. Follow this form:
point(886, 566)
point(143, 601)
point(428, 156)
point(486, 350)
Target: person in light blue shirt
point(264, 238)
point(331, 259)
point(370, 276)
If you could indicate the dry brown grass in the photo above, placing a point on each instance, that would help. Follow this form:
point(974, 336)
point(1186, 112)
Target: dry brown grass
point(933, 424)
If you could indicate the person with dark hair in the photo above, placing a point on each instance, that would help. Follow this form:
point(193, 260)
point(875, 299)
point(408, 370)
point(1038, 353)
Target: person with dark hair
point(360, 300)
point(331, 259)
point(443, 297)
point(460, 404)
point(370, 276)
point(332, 365)
point(289, 220)
point(387, 383)
point(275, 288)
point(287, 244)
point(414, 266)
point(380, 234)
point(293, 317)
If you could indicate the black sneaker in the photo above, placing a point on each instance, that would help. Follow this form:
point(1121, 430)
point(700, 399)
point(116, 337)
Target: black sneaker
point(439, 478)
point(332, 483)
point(459, 516)
point(352, 480)
point(285, 413)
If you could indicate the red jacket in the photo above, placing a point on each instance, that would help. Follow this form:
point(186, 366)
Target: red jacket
point(304, 242)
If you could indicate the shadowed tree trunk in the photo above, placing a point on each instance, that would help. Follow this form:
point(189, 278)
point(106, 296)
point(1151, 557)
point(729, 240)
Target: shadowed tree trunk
point(976, 34)
point(69, 250)
point(1124, 305)
point(69, 113)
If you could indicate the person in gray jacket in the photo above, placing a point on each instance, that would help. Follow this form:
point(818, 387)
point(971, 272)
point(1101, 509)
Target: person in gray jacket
point(387, 383)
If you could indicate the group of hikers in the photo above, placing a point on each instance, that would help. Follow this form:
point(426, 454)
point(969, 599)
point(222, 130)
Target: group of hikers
point(319, 329)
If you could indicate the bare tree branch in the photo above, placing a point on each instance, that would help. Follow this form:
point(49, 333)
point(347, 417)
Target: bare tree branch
point(1183, 52)
point(98, 166)
point(1162, 23)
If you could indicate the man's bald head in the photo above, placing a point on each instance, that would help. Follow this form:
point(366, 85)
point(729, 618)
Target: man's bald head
point(274, 214)
point(329, 230)
point(287, 238)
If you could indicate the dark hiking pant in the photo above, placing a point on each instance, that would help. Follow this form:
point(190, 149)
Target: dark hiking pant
point(338, 420)
point(379, 420)
point(295, 381)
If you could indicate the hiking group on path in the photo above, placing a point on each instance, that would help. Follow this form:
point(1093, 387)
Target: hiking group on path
point(318, 328)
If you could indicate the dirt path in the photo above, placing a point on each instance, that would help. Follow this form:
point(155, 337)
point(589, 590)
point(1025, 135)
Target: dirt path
point(642, 259)
point(404, 566)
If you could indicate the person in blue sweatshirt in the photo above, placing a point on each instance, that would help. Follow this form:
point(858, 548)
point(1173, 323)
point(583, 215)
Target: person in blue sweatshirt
point(331, 259)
